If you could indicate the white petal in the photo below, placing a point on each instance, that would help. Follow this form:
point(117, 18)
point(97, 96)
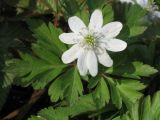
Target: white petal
point(127, 1)
point(71, 54)
point(105, 59)
point(69, 38)
point(81, 62)
point(76, 24)
point(115, 45)
point(155, 15)
point(92, 63)
point(142, 3)
point(112, 29)
point(96, 20)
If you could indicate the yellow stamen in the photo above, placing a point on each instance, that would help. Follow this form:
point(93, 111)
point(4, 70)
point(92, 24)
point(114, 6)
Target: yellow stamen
point(90, 40)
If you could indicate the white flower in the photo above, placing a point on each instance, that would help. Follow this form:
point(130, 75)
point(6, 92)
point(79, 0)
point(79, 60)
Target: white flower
point(151, 7)
point(154, 15)
point(90, 43)
point(142, 3)
point(127, 1)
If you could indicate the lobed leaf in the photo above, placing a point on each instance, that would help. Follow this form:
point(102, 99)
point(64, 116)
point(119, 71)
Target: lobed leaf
point(132, 70)
point(68, 86)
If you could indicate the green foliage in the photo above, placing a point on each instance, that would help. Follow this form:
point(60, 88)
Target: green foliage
point(134, 17)
point(45, 65)
point(36, 118)
point(47, 36)
point(132, 70)
point(148, 109)
point(107, 14)
point(37, 69)
point(51, 114)
point(42, 67)
point(71, 6)
point(128, 90)
point(94, 4)
point(42, 6)
point(101, 93)
point(146, 53)
point(67, 85)
point(116, 93)
point(125, 90)
point(8, 33)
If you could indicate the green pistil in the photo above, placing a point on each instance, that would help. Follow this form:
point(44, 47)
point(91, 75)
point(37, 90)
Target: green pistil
point(90, 40)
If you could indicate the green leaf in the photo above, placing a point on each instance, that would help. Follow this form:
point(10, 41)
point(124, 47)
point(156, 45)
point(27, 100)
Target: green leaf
point(129, 90)
point(46, 55)
point(134, 17)
point(68, 86)
point(94, 4)
point(71, 7)
point(143, 69)
point(117, 118)
point(155, 104)
point(38, 66)
point(36, 71)
point(18, 67)
point(101, 94)
point(41, 80)
point(124, 34)
point(46, 65)
point(146, 53)
point(107, 14)
point(93, 82)
point(56, 89)
point(150, 108)
point(48, 35)
point(132, 70)
point(116, 98)
point(75, 86)
point(8, 79)
point(55, 32)
point(134, 110)
point(147, 109)
point(36, 118)
point(137, 30)
point(126, 117)
point(126, 90)
point(123, 117)
point(54, 114)
point(115, 95)
point(84, 104)
point(131, 84)
point(84, 15)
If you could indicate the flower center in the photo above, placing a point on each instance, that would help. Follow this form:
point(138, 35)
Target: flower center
point(90, 40)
